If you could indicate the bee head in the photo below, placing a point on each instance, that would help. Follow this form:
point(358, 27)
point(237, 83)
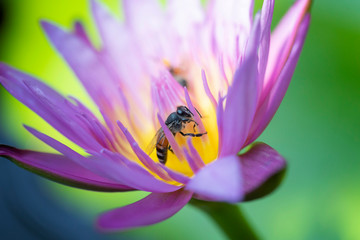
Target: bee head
point(184, 112)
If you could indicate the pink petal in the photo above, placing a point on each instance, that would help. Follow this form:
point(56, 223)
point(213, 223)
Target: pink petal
point(119, 44)
point(196, 116)
point(132, 174)
point(60, 169)
point(241, 100)
point(138, 14)
point(142, 156)
point(220, 120)
point(112, 166)
point(97, 73)
point(79, 30)
point(232, 22)
point(108, 27)
point(271, 103)
point(207, 89)
point(177, 176)
point(184, 15)
point(170, 137)
point(259, 164)
point(50, 105)
point(152, 209)
point(282, 40)
point(191, 161)
point(220, 180)
point(86, 64)
point(265, 23)
point(166, 93)
point(198, 161)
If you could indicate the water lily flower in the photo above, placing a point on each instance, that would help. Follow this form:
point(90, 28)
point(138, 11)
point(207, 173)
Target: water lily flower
point(220, 63)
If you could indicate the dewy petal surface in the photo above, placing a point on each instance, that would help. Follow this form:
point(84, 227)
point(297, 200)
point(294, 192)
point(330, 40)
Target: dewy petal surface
point(154, 208)
point(220, 180)
point(60, 169)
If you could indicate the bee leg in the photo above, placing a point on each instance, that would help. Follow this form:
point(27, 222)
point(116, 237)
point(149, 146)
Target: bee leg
point(192, 134)
point(195, 124)
point(170, 149)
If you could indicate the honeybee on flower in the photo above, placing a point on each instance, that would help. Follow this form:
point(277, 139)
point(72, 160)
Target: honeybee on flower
point(234, 71)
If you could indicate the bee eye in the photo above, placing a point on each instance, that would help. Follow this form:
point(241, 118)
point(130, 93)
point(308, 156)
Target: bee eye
point(180, 112)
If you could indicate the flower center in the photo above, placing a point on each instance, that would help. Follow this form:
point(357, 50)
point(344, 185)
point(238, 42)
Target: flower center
point(196, 135)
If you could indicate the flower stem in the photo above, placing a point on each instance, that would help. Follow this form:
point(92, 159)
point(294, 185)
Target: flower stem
point(228, 217)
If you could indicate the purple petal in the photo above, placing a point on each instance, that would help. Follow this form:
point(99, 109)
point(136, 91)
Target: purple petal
point(191, 161)
point(259, 164)
point(133, 174)
point(222, 69)
point(119, 44)
point(183, 16)
point(60, 169)
point(220, 180)
point(86, 64)
point(97, 73)
point(179, 177)
point(142, 156)
point(48, 104)
point(265, 22)
point(232, 22)
point(112, 166)
point(198, 161)
point(197, 117)
point(166, 93)
point(241, 100)
point(137, 22)
point(152, 209)
point(79, 30)
point(207, 89)
point(220, 119)
point(282, 40)
point(170, 137)
point(137, 15)
point(107, 25)
point(267, 110)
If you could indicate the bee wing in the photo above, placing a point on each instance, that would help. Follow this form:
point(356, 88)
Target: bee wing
point(150, 148)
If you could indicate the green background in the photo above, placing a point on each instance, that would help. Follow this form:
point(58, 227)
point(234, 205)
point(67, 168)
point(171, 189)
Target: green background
point(316, 128)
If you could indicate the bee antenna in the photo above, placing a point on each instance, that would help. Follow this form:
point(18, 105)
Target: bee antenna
point(189, 110)
point(198, 112)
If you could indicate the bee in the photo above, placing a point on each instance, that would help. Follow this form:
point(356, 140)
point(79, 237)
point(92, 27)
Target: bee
point(176, 122)
point(176, 73)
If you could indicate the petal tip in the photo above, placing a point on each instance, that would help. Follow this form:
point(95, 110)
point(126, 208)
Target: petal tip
point(219, 181)
point(263, 170)
point(45, 24)
point(101, 224)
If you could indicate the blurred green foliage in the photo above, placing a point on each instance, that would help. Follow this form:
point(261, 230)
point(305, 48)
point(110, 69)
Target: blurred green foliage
point(316, 128)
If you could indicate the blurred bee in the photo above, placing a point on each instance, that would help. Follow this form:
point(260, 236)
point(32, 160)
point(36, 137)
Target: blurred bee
point(176, 122)
point(176, 73)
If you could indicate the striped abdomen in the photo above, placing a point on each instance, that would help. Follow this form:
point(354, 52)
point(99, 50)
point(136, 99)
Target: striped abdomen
point(162, 146)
